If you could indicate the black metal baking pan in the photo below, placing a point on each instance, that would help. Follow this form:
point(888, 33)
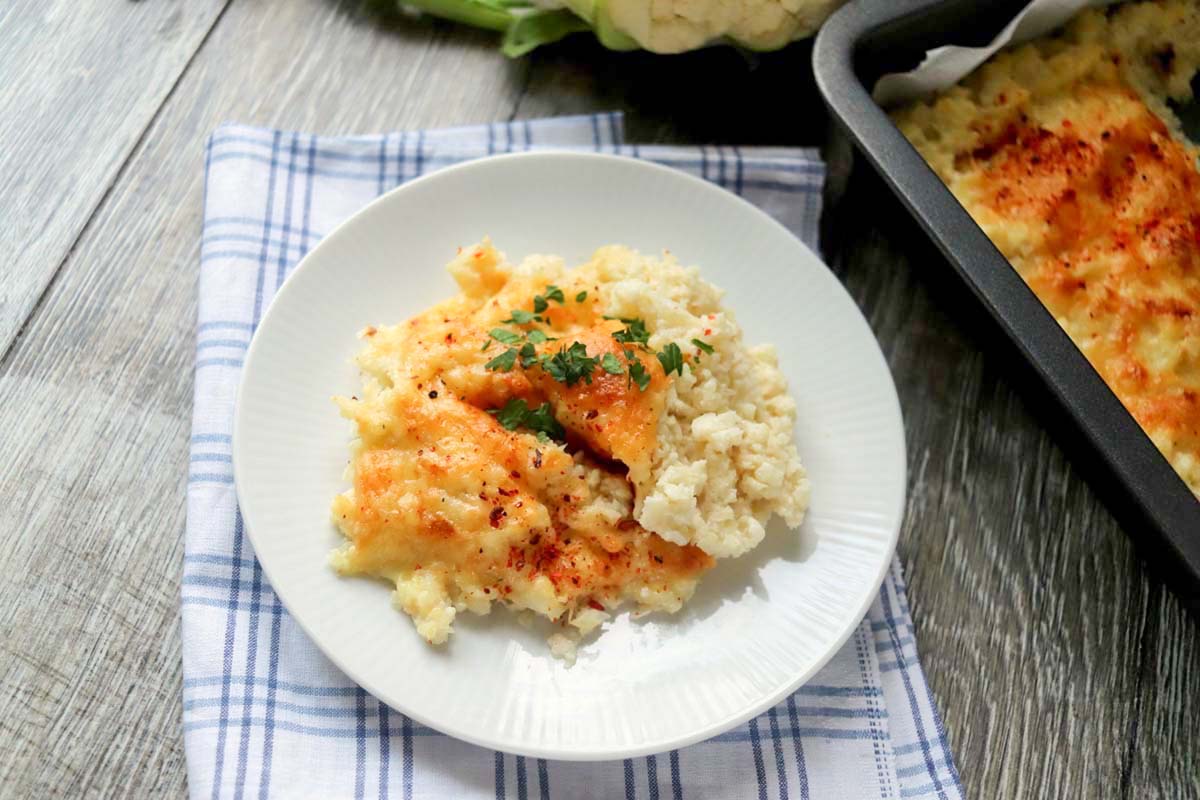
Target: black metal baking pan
point(869, 38)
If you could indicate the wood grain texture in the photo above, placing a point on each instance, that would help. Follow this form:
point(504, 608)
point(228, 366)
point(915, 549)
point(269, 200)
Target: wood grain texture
point(1062, 668)
point(82, 79)
point(97, 394)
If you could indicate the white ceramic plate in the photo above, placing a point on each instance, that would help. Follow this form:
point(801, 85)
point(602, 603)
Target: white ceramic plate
point(758, 627)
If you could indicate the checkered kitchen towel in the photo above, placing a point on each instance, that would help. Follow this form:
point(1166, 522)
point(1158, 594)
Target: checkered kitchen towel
point(265, 714)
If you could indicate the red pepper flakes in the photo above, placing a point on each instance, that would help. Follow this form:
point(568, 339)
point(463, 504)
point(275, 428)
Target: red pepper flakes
point(514, 475)
point(986, 151)
point(592, 414)
point(496, 516)
point(593, 604)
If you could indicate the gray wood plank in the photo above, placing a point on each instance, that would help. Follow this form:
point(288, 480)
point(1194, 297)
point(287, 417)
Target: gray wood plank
point(81, 82)
point(97, 392)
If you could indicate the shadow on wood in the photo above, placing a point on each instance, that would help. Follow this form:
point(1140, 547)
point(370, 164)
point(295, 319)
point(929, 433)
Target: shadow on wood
point(716, 95)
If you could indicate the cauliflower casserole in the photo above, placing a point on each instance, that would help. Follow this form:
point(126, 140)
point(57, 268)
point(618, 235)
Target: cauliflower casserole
point(1068, 154)
point(563, 441)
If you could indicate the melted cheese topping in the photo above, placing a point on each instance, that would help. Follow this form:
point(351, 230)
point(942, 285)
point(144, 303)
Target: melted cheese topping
point(440, 351)
point(460, 512)
point(1059, 150)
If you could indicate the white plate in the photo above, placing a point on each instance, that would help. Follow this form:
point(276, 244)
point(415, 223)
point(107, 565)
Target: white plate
point(758, 627)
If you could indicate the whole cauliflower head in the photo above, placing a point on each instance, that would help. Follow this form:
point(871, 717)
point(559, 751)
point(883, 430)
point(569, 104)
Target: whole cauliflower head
point(675, 26)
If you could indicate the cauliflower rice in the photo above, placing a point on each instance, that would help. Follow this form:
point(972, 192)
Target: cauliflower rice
point(726, 460)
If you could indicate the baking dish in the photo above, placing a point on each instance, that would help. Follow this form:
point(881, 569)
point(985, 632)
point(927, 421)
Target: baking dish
point(869, 38)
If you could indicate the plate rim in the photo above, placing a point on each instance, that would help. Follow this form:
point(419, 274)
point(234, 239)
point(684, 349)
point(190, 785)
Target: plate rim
point(894, 411)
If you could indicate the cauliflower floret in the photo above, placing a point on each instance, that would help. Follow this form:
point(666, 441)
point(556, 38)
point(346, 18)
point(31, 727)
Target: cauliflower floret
point(424, 597)
point(674, 26)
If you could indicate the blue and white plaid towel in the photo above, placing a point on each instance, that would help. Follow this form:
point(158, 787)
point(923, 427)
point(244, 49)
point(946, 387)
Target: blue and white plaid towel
point(265, 714)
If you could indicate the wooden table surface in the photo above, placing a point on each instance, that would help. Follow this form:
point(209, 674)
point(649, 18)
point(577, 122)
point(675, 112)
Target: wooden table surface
point(1061, 666)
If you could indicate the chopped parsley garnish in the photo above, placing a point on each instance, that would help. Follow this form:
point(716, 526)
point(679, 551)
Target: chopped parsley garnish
point(671, 359)
point(503, 362)
point(528, 355)
point(570, 365)
point(512, 415)
point(504, 336)
point(636, 333)
point(541, 302)
point(638, 374)
point(486, 345)
point(517, 414)
point(520, 317)
point(541, 419)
